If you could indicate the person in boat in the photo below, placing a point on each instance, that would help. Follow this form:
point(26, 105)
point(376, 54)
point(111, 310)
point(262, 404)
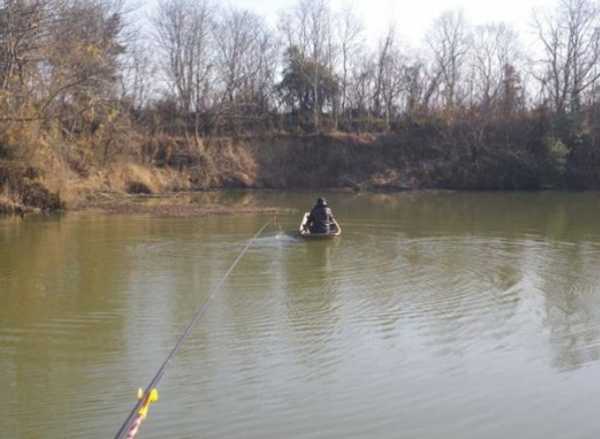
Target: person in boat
point(320, 219)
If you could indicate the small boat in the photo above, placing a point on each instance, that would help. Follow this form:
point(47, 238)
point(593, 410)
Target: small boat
point(334, 230)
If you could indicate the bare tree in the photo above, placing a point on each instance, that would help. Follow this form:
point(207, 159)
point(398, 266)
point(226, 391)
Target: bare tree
point(389, 76)
point(183, 33)
point(308, 27)
point(363, 83)
point(245, 50)
point(137, 75)
point(350, 36)
point(449, 41)
point(495, 46)
point(420, 84)
point(570, 39)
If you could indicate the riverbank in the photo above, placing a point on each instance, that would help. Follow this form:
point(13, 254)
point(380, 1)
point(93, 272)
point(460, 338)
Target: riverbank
point(49, 178)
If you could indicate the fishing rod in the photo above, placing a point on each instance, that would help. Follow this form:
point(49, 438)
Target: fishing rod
point(146, 397)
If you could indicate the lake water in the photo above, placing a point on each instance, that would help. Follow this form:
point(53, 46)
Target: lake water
point(435, 315)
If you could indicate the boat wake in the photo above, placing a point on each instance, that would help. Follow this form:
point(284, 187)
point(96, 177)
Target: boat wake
point(278, 239)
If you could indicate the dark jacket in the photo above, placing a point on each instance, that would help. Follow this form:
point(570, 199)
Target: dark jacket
point(320, 219)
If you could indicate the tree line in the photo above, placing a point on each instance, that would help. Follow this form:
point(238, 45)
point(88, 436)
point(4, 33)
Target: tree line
point(196, 68)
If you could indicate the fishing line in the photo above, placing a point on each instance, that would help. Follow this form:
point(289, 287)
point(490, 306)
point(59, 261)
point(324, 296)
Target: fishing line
point(197, 315)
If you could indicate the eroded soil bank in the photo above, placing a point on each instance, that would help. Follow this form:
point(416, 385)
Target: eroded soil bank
point(51, 179)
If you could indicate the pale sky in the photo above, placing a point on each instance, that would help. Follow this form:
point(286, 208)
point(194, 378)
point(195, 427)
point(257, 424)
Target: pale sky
point(414, 18)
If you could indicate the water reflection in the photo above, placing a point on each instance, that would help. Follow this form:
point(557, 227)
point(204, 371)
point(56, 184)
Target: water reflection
point(570, 284)
point(312, 302)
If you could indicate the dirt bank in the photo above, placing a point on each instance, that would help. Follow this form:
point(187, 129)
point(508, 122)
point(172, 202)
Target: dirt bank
point(51, 179)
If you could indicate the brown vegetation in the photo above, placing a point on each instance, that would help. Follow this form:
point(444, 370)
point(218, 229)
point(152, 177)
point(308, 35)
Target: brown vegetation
point(218, 99)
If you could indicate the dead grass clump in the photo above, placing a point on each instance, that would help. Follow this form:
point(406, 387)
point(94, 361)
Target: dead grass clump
point(7, 206)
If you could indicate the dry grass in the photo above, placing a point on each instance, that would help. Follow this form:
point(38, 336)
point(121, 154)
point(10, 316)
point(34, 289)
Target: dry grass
point(10, 206)
point(7, 206)
point(122, 179)
point(174, 165)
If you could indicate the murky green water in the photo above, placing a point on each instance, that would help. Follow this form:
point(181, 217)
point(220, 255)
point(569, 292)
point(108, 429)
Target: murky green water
point(433, 316)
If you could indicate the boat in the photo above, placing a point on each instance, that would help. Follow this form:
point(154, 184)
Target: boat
point(334, 230)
